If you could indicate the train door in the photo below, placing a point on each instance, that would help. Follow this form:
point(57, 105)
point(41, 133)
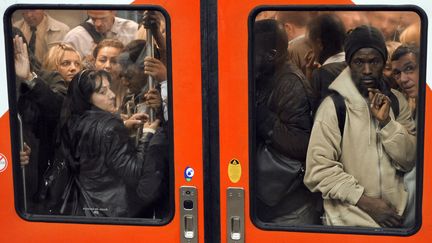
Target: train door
point(252, 195)
point(178, 214)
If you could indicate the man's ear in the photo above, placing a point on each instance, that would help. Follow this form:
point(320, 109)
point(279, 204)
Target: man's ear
point(289, 28)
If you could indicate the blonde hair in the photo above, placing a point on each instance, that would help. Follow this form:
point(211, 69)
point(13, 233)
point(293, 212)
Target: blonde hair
point(55, 54)
point(411, 35)
point(391, 47)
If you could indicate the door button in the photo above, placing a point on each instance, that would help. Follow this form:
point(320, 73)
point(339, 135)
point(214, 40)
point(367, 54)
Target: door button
point(188, 204)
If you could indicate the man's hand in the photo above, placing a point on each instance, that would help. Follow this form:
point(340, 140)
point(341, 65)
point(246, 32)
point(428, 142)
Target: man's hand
point(379, 106)
point(382, 212)
point(153, 99)
point(22, 63)
point(153, 20)
point(155, 68)
point(311, 64)
point(25, 155)
point(152, 125)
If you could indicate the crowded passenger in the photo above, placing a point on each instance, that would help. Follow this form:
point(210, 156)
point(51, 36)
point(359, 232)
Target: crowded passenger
point(405, 66)
point(40, 100)
point(352, 19)
point(389, 23)
point(41, 31)
point(356, 165)
point(105, 55)
point(102, 158)
point(283, 125)
point(388, 75)
point(102, 24)
point(326, 35)
point(295, 23)
point(135, 71)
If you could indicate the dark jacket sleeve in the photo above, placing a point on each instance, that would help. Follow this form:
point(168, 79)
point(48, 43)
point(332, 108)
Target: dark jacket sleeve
point(48, 101)
point(153, 183)
point(122, 156)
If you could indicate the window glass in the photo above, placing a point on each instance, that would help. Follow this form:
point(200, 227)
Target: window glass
point(336, 97)
point(90, 96)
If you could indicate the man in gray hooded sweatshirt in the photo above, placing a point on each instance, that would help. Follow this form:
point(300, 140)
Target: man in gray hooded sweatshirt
point(358, 172)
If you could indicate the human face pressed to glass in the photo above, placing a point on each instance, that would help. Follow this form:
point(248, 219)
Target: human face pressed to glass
point(106, 59)
point(69, 65)
point(406, 72)
point(366, 66)
point(103, 20)
point(104, 98)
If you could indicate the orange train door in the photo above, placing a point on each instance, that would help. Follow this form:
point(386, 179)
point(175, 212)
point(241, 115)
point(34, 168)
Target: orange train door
point(184, 219)
point(236, 87)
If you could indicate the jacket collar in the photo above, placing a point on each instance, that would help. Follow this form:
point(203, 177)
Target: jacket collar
point(345, 86)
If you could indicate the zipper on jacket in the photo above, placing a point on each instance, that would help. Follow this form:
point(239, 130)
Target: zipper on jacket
point(380, 152)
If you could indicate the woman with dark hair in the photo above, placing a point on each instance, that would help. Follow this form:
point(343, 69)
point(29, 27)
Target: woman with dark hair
point(102, 159)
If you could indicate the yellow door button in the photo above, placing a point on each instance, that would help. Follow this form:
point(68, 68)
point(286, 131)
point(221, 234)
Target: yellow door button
point(234, 170)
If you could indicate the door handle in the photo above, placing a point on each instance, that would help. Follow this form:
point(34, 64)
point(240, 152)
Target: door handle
point(189, 230)
point(235, 228)
point(188, 215)
point(235, 215)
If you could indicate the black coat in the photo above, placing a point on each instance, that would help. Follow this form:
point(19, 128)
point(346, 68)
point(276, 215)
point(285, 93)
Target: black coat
point(284, 121)
point(107, 164)
point(40, 109)
point(283, 112)
point(321, 80)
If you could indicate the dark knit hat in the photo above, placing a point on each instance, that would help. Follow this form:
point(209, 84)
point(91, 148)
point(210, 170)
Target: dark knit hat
point(365, 37)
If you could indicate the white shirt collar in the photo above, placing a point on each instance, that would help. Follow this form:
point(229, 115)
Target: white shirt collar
point(340, 57)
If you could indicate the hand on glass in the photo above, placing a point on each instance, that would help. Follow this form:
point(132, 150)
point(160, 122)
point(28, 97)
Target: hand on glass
point(22, 62)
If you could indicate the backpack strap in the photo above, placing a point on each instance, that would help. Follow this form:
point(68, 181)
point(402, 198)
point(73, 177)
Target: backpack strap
point(340, 107)
point(394, 103)
point(97, 37)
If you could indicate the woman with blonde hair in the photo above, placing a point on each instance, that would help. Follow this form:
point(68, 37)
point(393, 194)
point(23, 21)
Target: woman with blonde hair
point(64, 59)
point(41, 96)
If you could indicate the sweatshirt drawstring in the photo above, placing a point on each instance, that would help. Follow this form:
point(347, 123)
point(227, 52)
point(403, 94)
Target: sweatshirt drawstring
point(370, 118)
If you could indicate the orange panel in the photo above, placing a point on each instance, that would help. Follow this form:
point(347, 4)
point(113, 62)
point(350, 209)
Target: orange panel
point(233, 108)
point(187, 111)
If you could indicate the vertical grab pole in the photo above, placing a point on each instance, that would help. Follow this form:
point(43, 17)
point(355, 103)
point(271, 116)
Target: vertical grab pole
point(150, 52)
point(23, 174)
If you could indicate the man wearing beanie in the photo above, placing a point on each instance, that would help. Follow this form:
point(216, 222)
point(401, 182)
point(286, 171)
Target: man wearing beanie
point(358, 172)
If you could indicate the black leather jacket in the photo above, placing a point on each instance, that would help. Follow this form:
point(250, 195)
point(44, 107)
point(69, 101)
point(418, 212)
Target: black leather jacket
point(106, 162)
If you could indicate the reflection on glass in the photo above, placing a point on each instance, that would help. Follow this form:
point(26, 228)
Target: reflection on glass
point(335, 117)
point(84, 98)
